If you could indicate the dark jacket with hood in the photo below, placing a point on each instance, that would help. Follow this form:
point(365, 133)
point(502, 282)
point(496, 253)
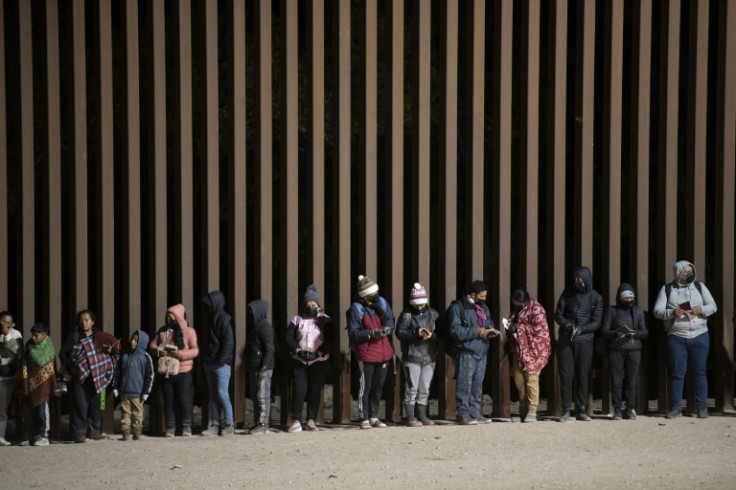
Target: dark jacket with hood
point(463, 324)
point(622, 315)
point(134, 373)
point(414, 348)
point(220, 342)
point(259, 338)
point(579, 308)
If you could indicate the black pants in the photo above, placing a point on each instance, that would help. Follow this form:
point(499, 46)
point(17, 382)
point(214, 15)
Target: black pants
point(624, 374)
point(178, 392)
point(574, 364)
point(372, 375)
point(87, 413)
point(308, 381)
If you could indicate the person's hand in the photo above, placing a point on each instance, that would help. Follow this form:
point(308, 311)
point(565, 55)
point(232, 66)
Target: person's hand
point(116, 393)
point(696, 310)
point(425, 334)
point(144, 398)
point(492, 332)
point(482, 332)
point(679, 312)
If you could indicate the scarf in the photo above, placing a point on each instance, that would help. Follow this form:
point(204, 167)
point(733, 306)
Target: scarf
point(38, 374)
point(481, 315)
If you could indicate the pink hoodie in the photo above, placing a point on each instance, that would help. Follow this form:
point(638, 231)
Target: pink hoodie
point(166, 336)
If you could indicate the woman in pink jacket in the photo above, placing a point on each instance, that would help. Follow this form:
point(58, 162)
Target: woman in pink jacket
point(528, 335)
point(179, 340)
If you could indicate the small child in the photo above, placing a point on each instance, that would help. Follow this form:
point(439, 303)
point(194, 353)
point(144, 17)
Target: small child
point(39, 381)
point(259, 346)
point(132, 382)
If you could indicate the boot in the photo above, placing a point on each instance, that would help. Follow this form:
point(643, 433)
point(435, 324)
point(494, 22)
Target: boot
point(523, 409)
point(411, 421)
point(136, 434)
point(422, 414)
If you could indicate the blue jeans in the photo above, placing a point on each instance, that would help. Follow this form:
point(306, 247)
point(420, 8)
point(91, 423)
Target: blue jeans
point(470, 373)
point(688, 355)
point(218, 380)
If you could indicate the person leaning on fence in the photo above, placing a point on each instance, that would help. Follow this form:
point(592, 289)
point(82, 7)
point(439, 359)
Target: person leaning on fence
point(370, 324)
point(624, 326)
point(579, 311)
point(218, 360)
point(11, 349)
point(176, 341)
point(684, 306)
point(415, 328)
point(309, 339)
point(38, 380)
point(471, 330)
point(132, 384)
point(259, 362)
point(528, 335)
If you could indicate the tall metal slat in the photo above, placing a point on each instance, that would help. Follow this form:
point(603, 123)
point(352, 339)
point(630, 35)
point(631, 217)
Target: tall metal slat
point(52, 247)
point(79, 239)
point(368, 242)
point(237, 195)
point(3, 165)
point(133, 271)
point(584, 123)
point(667, 166)
point(422, 54)
point(476, 126)
point(725, 205)
point(27, 252)
point(264, 150)
point(212, 259)
point(448, 160)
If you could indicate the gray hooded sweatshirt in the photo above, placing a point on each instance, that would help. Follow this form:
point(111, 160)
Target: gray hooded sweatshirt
point(681, 294)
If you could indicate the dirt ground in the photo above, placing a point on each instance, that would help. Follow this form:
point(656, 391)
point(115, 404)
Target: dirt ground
point(648, 452)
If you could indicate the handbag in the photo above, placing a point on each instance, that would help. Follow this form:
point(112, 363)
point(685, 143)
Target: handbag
point(168, 366)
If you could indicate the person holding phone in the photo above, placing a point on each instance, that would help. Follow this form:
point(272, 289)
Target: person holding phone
point(684, 306)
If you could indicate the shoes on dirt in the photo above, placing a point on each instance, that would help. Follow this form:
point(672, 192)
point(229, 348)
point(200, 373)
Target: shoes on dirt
point(295, 426)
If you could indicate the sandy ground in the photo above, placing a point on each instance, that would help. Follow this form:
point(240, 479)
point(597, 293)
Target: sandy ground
point(648, 452)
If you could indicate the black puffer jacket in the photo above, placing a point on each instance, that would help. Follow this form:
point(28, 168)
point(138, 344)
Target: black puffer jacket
point(630, 317)
point(414, 349)
point(220, 342)
point(581, 309)
point(259, 335)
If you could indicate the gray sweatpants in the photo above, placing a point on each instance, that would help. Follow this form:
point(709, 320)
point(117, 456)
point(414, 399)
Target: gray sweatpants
point(418, 378)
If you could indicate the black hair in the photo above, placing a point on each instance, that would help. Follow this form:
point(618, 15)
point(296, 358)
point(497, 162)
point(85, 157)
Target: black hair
point(478, 287)
point(520, 296)
point(89, 312)
point(5, 313)
point(40, 328)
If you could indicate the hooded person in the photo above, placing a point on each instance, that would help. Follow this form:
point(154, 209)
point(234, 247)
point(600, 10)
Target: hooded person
point(259, 362)
point(309, 340)
point(218, 359)
point(684, 306)
point(624, 327)
point(132, 383)
point(177, 339)
point(579, 312)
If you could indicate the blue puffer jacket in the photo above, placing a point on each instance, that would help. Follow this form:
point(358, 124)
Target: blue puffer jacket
point(581, 309)
point(134, 372)
point(463, 325)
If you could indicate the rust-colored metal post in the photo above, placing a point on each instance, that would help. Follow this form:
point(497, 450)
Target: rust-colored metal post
point(3, 166)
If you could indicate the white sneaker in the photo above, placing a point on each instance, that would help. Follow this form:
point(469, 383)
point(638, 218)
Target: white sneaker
point(40, 441)
point(3, 442)
point(296, 426)
point(311, 425)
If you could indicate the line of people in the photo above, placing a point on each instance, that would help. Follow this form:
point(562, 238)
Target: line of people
point(92, 361)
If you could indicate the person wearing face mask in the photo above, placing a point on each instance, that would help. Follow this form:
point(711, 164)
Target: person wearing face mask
point(179, 340)
point(579, 312)
point(624, 326)
point(684, 306)
point(308, 338)
point(370, 325)
point(415, 329)
point(528, 334)
point(471, 330)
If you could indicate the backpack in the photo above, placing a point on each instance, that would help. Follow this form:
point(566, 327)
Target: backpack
point(443, 333)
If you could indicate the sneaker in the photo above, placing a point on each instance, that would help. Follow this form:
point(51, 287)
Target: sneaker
point(295, 426)
point(311, 425)
point(80, 439)
point(414, 423)
point(566, 417)
point(617, 414)
point(259, 429)
point(212, 430)
point(97, 436)
point(365, 425)
point(702, 413)
point(40, 441)
point(530, 417)
point(3, 442)
point(186, 431)
point(631, 414)
point(482, 420)
point(228, 430)
point(126, 437)
point(583, 417)
point(136, 435)
point(466, 420)
point(169, 433)
point(378, 424)
point(673, 414)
